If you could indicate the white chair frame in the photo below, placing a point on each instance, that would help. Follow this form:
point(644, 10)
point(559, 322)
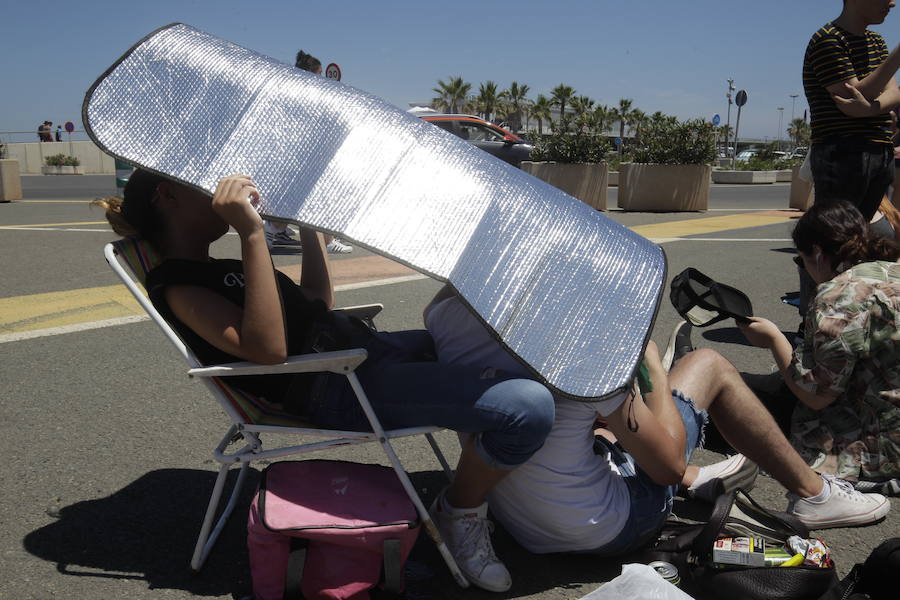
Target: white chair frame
point(342, 362)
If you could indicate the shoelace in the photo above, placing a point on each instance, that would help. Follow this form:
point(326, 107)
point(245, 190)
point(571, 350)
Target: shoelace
point(476, 532)
point(844, 488)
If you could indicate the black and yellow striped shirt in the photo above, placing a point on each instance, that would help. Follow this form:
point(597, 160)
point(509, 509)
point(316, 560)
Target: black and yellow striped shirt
point(834, 55)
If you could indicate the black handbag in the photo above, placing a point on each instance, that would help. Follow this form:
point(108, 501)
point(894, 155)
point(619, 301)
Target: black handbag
point(688, 546)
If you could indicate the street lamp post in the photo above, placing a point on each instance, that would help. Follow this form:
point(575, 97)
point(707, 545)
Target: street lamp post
point(793, 98)
point(780, 110)
point(731, 88)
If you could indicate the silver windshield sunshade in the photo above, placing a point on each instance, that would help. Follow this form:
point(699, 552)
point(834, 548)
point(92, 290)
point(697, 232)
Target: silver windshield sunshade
point(567, 290)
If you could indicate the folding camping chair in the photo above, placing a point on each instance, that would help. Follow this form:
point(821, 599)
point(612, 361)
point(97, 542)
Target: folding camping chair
point(251, 417)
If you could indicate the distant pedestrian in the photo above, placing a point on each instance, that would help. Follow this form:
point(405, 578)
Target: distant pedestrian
point(59, 133)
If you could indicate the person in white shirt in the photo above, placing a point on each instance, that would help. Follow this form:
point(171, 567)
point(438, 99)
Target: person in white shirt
point(581, 493)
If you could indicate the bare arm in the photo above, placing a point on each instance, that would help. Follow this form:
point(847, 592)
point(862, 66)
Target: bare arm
point(765, 334)
point(315, 276)
point(649, 427)
point(256, 332)
point(875, 83)
point(853, 103)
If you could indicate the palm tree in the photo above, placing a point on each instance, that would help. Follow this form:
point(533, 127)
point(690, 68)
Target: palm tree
point(452, 93)
point(638, 121)
point(584, 111)
point(515, 95)
point(622, 114)
point(540, 110)
point(487, 98)
point(602, 119)
point(799, 131)
point(562, 94)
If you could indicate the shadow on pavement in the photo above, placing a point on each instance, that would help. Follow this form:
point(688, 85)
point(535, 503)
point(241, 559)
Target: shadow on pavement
point(726, 335)
point(146, 531)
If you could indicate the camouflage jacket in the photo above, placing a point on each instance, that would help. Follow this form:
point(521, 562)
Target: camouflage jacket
point(852, 350)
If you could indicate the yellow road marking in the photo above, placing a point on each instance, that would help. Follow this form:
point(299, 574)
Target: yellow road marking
point(60, 309)
point(53, 224)
point(676, 229)
point(56, 309)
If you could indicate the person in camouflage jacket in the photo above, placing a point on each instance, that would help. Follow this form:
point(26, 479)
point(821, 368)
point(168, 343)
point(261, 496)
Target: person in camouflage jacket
point(846, 372)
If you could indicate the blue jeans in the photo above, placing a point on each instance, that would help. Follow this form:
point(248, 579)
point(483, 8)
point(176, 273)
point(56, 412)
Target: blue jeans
point(512, 416)
point(651, 503)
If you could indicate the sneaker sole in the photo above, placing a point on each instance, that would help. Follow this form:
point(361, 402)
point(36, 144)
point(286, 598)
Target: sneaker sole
point(869, 517)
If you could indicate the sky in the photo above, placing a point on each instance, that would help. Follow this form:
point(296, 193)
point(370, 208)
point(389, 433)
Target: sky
point(672, 56)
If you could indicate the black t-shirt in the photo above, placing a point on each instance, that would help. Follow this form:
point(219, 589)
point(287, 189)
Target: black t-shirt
point(226, 278)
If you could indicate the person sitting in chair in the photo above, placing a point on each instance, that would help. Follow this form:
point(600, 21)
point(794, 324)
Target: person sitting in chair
point(581, 494)
point(232, 310)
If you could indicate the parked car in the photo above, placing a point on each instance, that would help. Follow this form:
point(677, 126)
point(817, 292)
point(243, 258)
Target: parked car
point(745, 155)
point(487, 136)
point(799, 152)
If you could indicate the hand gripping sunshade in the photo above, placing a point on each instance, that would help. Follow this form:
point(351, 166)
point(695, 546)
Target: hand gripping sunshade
point(570, 292)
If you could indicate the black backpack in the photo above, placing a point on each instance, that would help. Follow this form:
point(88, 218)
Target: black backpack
point(875, 579)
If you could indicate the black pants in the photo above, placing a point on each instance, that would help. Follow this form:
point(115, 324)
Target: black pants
point(856, 171)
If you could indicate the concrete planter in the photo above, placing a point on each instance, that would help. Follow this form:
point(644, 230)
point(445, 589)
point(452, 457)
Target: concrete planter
point(61, 170)
point(801, 192)
point(10, 180)
point(66, 170)
point(744, 177)
point(664, 188)
point(585, 181)
point(49, 170)
point(784, 175)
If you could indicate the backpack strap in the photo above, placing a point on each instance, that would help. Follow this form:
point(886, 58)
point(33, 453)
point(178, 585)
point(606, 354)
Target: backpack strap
point(393, 567)
point(294, 575)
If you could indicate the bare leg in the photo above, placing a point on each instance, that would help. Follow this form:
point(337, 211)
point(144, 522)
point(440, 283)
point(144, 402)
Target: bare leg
point(474, 478)
point(715, 385)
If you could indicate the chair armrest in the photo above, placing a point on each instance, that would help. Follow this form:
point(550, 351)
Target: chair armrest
point(340, 361)
point(366, 312)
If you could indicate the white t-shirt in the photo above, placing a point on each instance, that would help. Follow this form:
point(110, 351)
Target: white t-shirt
point(565, 498)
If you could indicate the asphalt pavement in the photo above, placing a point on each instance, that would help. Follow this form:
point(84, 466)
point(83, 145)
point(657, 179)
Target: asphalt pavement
point(108, 443)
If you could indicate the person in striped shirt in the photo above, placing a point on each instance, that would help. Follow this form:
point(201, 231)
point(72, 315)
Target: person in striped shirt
point(848, 78)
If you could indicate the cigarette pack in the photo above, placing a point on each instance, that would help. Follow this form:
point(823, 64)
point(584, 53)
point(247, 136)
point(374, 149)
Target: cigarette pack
point(741, 551)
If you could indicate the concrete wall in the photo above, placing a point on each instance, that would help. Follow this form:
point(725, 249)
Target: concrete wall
point(31, 156)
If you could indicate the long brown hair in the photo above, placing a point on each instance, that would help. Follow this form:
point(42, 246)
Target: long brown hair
point(136, 214)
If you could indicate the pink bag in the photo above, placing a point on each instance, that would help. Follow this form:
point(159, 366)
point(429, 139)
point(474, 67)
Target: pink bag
point(329, 530)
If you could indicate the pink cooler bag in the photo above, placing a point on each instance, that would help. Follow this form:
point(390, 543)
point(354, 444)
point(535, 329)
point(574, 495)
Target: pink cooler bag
point(329, 530)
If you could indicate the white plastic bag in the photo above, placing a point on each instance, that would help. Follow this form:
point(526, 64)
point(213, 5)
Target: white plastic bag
point(638, 582)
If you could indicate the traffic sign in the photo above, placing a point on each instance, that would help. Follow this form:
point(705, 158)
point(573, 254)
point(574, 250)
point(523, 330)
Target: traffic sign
point(617, 141)
point(333, 71)
point(741, 98)
point(70, 126)
point(716, 120)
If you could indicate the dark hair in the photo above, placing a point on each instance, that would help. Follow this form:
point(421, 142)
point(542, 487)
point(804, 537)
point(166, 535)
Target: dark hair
point(136, 214)
point(842, 233)
point(307, 62)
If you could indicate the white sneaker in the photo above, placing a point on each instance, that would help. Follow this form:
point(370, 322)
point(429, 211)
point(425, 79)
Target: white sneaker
point(468, 537)
point(336, 246)
point(844, 507)
point(722, 477)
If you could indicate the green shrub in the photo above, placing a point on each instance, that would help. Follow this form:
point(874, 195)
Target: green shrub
point(61, 160)
point(569, 147)
point(668, 141)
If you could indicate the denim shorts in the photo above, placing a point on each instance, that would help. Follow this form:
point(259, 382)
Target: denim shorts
point(651, 503)
point(408, 388)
